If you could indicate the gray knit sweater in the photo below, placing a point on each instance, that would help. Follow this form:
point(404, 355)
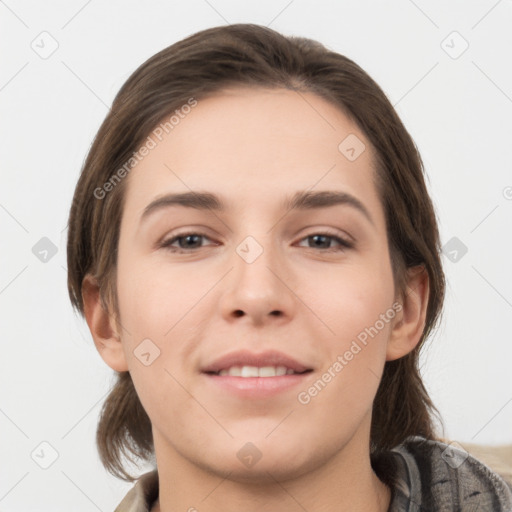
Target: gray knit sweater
point(436, 477)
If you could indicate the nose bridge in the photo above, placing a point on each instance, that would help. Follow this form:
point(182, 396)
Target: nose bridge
point(255, 257)
point(256, 288)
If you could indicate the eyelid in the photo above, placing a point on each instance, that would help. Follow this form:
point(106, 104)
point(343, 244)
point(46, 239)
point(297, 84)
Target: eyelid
point(346, 242)
point(167, 240)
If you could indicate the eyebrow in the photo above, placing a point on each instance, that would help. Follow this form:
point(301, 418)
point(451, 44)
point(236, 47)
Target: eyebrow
point(302, 200)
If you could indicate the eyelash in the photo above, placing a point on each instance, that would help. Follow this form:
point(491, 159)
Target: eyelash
point(345, 244)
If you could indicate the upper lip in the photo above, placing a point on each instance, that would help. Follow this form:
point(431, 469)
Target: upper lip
point(247, 358)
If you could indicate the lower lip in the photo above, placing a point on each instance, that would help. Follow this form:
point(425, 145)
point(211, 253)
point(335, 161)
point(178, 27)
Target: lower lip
point(257, 387)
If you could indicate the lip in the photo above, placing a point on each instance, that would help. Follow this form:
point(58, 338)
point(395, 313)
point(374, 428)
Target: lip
point(255, 387)
point(247, 358)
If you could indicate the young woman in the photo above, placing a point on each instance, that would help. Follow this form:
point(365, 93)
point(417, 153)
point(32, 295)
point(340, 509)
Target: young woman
point(254, 249)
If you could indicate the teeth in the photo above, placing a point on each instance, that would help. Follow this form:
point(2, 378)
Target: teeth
point(254, 371)
point(249, 371)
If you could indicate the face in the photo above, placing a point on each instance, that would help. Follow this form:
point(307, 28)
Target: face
point(304, 286)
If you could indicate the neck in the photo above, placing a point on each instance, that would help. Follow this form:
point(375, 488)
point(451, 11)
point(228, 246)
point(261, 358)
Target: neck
point(345, 482)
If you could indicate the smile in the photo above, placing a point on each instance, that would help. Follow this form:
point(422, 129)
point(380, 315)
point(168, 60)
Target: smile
point(255, 371)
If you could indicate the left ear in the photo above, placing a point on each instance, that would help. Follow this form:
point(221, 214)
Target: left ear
point(410, 320)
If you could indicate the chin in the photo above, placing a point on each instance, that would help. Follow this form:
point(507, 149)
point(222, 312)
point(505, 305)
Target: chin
point(262, 472)
point(248, 464)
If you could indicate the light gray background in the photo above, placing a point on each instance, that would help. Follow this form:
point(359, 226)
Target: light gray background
point(458, 108)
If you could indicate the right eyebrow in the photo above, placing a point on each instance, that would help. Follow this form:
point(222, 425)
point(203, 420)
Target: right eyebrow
point(197, 200)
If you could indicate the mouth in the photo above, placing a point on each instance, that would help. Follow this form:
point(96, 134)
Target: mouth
point(250, 375)
point(251, 382)
point(245, 372)
point(244, 363)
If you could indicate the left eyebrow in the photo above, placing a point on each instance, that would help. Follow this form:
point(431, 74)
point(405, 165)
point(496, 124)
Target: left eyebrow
point(306, 200)
point(302, 200)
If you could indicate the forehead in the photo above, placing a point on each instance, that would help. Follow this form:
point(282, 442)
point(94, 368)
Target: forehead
point(254, 145)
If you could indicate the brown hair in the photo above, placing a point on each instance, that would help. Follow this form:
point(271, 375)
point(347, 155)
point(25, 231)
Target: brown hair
point(252, 55)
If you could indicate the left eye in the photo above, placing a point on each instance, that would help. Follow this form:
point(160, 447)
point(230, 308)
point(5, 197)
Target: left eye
point(319, 238)
point(191, 241)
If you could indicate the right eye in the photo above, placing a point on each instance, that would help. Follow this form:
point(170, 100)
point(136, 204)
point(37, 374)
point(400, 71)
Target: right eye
point(186, 242)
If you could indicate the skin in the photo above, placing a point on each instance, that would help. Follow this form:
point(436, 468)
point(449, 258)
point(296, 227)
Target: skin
point(254, 148)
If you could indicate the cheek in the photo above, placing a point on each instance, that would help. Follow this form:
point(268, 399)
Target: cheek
point(360, 317)
point(153, 308)
point(353, 299)
point(153, 298)
point(161, 309)
point(347, 383)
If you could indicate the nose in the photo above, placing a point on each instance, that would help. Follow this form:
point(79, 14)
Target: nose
point(259, 288)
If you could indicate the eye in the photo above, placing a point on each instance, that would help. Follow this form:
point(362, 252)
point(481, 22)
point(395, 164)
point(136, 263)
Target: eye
point(323, 241)
point(188, 242)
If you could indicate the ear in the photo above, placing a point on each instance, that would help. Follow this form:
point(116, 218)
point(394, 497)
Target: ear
point(102, 326)
point(410, 320)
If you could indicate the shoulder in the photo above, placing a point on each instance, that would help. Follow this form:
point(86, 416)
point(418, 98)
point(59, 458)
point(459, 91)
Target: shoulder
point(142, 495)
point(434, 475)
